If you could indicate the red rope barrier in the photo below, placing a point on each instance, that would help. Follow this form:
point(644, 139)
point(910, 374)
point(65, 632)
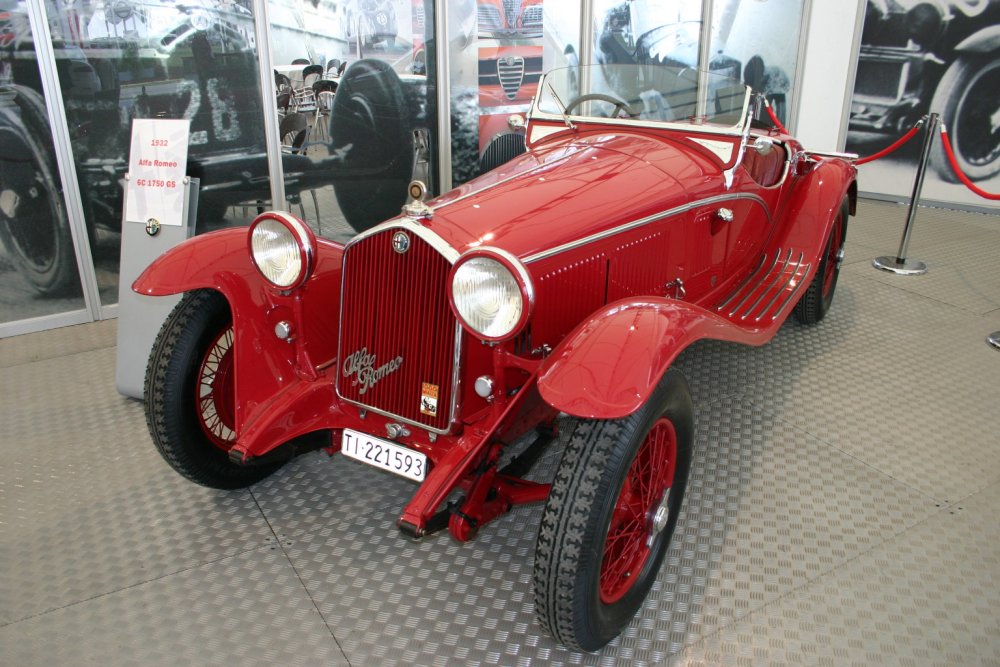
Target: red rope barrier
point(774, 117)
point(946, 142)
point(896, 145)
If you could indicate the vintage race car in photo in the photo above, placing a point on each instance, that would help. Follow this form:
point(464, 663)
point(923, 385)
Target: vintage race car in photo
point(651, 210)
point(919, 56)
point(196, 63)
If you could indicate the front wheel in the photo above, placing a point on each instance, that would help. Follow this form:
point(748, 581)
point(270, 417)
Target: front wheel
point(610, 515)
point(971, 115)
point(190, 394)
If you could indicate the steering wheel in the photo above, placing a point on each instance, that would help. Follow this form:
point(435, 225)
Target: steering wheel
point(619, 104)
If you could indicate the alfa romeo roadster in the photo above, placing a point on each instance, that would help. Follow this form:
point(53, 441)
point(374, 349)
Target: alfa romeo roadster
point(652, 209)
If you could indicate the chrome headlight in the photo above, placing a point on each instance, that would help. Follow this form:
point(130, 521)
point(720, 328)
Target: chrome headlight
point(491, 293)
point(281, 247)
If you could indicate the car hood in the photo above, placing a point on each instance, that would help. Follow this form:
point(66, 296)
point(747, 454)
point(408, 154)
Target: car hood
point(573, 188)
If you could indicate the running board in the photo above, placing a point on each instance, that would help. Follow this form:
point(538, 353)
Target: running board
point(768, 290)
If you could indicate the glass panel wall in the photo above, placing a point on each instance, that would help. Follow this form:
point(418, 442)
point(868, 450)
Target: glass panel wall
point(355, 105)
point(753, 40)
point(763, 39)
point(160, 59)
point(38, 270)
point(498, 52)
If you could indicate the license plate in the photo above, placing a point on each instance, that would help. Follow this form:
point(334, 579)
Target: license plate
point(384, 454)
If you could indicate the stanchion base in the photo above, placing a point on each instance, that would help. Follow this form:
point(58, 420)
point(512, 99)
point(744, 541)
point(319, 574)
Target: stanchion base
point(909, 267)
point(994, 339)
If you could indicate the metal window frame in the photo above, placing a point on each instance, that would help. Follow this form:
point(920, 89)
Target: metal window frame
point(55, 109)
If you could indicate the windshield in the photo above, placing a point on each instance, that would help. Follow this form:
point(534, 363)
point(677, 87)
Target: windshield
point(645, 93)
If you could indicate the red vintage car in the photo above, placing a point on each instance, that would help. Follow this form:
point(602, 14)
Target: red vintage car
point(651, 210)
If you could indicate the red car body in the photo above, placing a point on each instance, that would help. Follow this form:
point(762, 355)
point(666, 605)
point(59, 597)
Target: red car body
point(631, 241)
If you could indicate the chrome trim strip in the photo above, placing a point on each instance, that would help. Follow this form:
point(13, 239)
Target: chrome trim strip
point(774, 298)
point(845, 156)
point(774, 282)
point(736, 308)
point(794, 292)
point(746, 281)
point(430, 237)
point(628, 226)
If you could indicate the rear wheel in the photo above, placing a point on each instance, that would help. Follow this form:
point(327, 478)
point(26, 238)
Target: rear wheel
point(33, 222)
point(190, 394)
point(610, 516)
point(971, 116)
point(370, 128)
point(815, 303)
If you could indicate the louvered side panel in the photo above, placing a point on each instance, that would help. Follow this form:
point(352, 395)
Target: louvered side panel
point(639, 267)
point(566, 296)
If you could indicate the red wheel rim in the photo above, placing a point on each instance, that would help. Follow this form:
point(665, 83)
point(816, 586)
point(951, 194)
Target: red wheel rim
point(640, 511)
point(215, 394)
point(832, 255)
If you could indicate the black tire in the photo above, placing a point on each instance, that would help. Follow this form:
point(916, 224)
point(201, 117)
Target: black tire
point(580, 596)
point(33, 222)
point(173, 376)
point(967, 109)
point(370, 126)
point(815, 302)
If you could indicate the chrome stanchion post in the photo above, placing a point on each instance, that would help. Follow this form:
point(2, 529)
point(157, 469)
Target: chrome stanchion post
point(899, 264)
point(994, 339)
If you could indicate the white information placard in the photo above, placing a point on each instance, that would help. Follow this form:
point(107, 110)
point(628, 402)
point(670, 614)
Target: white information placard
point(157, 165)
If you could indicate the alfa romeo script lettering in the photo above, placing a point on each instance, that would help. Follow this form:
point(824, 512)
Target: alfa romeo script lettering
point(362, 365)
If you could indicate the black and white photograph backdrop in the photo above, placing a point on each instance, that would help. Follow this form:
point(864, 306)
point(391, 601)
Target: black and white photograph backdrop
point(923, 56)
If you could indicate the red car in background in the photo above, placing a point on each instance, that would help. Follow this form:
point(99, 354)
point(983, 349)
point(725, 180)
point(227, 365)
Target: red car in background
point(449, 344)
point(510, 18)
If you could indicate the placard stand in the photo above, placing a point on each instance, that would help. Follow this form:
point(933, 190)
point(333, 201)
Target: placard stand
point(140, 317)
point(900, 264)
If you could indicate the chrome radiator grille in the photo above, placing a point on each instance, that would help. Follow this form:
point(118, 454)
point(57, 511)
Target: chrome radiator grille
point(510, 69)
point(398, 336)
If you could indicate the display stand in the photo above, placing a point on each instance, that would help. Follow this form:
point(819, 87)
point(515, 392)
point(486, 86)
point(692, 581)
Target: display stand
point(900, 264)
point(140, 317)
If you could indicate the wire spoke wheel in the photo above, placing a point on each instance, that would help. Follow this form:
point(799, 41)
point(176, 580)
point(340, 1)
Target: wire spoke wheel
point(641, 512)
point(190, 394)
point(216, 394)
point(610, 516)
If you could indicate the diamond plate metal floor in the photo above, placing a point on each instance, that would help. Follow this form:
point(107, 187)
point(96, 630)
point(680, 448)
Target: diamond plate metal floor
point(842, 509)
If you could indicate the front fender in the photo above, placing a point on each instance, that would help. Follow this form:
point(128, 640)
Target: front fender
point(265, 367)
point(610, 364)
point(984, 41)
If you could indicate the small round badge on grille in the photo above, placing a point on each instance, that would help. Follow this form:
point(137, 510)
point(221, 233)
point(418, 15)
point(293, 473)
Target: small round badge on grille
point(400, 242)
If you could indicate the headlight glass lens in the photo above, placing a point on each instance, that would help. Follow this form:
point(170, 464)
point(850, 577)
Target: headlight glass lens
point(487, 297)
point(276, 253)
